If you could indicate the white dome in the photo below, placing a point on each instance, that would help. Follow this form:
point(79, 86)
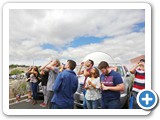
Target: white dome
point(97, 57)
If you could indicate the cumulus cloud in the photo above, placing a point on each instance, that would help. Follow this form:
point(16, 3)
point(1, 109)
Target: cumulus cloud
point(30, 29)
point(122, 48)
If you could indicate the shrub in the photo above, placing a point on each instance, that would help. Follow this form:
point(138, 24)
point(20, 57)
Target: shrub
point(16, 72)
point(20, 87)
point(13, 66)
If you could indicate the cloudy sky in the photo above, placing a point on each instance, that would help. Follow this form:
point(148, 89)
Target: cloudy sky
point(41, 35)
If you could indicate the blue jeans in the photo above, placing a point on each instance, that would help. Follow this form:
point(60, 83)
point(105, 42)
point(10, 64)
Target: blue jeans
point(84, 100)
point(135, 104)
point(55, 106)
point(34, 90)
point(92, 104)
point(110, 104)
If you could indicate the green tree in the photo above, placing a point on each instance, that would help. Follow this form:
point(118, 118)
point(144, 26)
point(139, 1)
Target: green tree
point(12, 66)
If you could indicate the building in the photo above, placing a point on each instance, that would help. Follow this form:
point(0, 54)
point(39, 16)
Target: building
point(137, 59)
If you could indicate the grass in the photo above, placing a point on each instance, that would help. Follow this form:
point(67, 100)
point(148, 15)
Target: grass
point(18, 86)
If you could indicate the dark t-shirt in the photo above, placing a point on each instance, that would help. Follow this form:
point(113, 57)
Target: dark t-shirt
point(112, 79)
point(44, 78)
point(28, 75)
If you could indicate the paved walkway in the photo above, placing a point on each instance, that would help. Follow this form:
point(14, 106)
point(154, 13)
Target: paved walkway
point(25, 105)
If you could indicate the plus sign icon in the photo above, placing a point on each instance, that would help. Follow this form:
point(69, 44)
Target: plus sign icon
point(147, 99)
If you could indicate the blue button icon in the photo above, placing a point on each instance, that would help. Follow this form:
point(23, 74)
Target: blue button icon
point(147, 99)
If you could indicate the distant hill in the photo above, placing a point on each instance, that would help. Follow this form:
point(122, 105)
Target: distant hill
point(15, 66)
point(18, 67)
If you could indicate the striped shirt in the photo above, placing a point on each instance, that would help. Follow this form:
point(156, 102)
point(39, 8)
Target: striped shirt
point(139, 81)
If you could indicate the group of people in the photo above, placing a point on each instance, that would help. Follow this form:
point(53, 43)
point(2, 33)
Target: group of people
point(60, 82)
point(101, 89)
point(47, 77)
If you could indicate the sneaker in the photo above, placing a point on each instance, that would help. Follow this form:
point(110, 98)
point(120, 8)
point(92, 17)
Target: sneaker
point(28, 100)
point(44, 105)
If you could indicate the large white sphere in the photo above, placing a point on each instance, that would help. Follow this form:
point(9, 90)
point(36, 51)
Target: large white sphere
point(97, 57)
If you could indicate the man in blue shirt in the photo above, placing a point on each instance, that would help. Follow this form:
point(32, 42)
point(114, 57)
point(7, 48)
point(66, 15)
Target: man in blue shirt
point(112, 84)
point(64, 87)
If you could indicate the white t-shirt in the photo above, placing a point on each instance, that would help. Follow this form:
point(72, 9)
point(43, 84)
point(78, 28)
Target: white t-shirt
point(33, 79)
point(92, 93)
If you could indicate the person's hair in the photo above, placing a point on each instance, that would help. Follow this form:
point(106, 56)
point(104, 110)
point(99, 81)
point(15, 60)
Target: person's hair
point(96, 74)
point(72, 64)
point(58, 63)
point(36, 68)
point(92, 62)
point(142, 60)
point(102, 65)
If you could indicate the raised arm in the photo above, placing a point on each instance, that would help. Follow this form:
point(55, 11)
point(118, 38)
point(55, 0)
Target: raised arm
point(80, 72)
point(34, 72)
point(133, 70)
point(53, 68)
point(43, 67)
point(29, 70)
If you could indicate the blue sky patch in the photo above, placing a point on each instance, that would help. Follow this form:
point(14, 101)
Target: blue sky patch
point(77, 42)
point(85, 40)
point(47, 46)
point(137, 27)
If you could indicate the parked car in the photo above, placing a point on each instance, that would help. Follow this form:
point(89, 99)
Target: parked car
point(40, 92)
point(97, 57)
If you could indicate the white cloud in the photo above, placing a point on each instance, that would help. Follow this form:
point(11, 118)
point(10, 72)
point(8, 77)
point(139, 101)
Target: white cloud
point(29, 29)
point(122, 48)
